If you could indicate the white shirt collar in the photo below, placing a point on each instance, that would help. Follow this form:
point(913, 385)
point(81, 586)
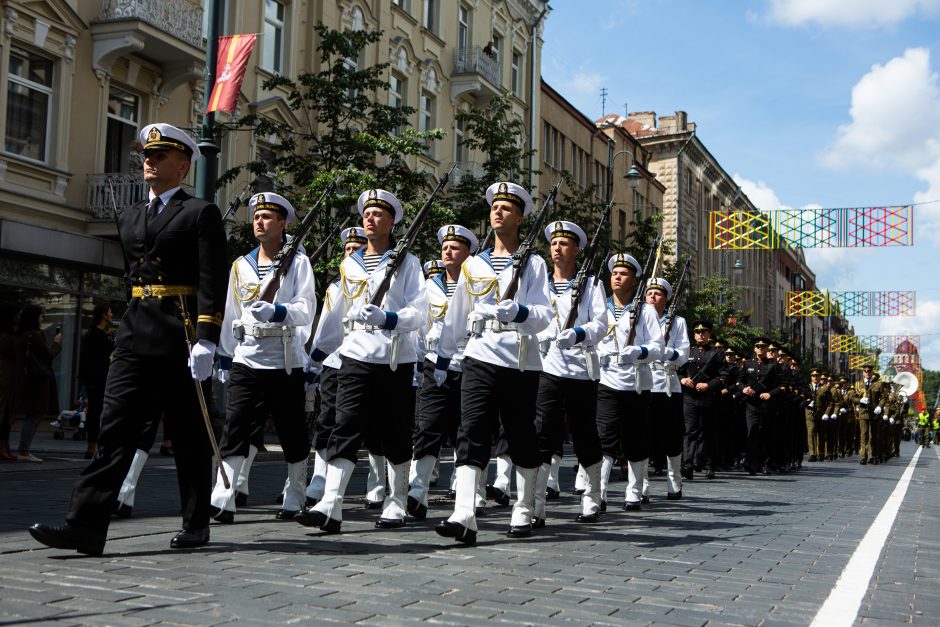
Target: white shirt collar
point(164, 197)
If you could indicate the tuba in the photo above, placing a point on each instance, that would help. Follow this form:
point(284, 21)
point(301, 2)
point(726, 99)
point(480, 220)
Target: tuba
point(907, 381)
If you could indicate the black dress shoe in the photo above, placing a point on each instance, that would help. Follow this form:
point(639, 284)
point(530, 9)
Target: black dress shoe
point(452, 494)
point(374, 504)
point(389, 523)
point(863, 461)
point(631, 506)
point(286, 514)
point(587, 518)
point(214, 511)
point(456, 531)
point(538, 523)
point(578, 491)
point(710, 474)
point(603, 506)
point(68, 536)
point(812, 458)
point(551, 494)
point(225, 517)
point(500, 497)
point(241, 499)
point(415, 509)
point(187, 539)
point(123, 511)
point(519, 531)
point(313, 518)
point(674, 496)
point(644, 500)
point(309, 502)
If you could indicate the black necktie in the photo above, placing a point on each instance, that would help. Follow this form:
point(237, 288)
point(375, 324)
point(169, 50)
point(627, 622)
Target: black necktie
point(152, 208)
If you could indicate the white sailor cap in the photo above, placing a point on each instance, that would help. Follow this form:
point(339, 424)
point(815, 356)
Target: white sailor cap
point(623, 260)
point(435, 266)
point(168, 137)
point(353, 234)
point(563, 228)
point(272, 202)
point(660, 284)
point(457, 233)
point(512, 193)
point(381, 199)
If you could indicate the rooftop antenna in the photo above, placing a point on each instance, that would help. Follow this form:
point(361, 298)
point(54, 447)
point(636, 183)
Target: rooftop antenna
point(603, 101)
point(626, 110)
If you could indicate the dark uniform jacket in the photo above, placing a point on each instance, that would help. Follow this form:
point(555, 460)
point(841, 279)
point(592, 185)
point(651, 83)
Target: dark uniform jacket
point(762, 376)
point(183, 246)
point(705, 365)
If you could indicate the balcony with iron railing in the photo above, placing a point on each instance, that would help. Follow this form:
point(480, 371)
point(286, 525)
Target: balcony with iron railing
point(471, 64)
point(180, 18)
point(110, 190)
point(465, 169)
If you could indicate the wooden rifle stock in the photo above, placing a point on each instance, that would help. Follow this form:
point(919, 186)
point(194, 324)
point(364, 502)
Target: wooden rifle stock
point(671, 312)
point(641, 291)
point(586, 269)
point(522, 254)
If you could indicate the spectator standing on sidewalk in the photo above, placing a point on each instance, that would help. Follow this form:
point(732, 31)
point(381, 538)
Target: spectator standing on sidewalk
point(97, 347)
point(37, 391)
point(9, 315)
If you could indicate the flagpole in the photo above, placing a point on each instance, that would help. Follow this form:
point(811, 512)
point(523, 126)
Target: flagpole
point(207, 168)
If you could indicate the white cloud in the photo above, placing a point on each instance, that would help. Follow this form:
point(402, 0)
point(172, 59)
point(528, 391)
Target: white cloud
point(849, 13)
point(763, 197)
point(585, 82)
point(925, 324)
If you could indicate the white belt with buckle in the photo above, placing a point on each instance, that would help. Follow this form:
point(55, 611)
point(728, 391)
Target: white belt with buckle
point(241, 330)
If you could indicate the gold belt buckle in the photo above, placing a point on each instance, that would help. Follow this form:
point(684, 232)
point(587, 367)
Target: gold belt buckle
point(147, 291)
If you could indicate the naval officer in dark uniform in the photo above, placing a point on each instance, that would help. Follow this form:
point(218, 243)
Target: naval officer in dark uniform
point(174, 245)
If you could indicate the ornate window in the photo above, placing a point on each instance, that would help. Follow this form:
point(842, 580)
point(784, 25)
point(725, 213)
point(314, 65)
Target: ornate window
point(29, 104)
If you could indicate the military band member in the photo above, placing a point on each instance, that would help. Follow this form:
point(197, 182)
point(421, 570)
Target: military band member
point(666, 396)
point(439, 405)
point(867, 394)
point(702, 377)
point(374, 390)
point(501, 363)
point(174, 246)
point(842, 408)
point(567, 392)
point(262, 356)
point(623, 396)
point(352, 239)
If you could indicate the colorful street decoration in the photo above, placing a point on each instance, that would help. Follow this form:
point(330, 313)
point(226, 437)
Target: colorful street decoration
point(851, 303)
point(901, 344)
point(855, 227)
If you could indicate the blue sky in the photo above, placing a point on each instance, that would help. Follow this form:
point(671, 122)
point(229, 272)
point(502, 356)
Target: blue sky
point(832, 103)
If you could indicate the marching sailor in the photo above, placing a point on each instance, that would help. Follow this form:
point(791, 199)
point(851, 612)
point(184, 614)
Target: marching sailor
point(567, 392)
point(666, 397)
point(352, 239)
point(501, 363)
point(262, 356)
point(623, 418)
point(374, 390)
point(438, 405)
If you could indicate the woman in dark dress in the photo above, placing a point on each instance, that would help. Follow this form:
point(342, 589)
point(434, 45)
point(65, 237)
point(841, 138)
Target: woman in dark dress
point(37, 391)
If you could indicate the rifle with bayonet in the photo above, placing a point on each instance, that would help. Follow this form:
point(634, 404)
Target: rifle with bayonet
point(325, 244)
point(638, 300)
point(522, 254)
point(586, 269)
point(671, 312)
point(235, 204)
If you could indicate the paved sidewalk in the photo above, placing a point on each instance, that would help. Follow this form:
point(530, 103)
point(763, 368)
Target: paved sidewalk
point(736, 550)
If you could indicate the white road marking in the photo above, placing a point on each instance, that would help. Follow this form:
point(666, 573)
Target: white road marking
point(841, 606)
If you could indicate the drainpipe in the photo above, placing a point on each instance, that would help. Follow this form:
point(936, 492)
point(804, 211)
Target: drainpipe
point(533, 91)
point(679, 194)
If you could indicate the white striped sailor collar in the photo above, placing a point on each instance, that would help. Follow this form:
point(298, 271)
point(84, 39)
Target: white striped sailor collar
point(252, 259)
point(359, 255)
point(438, 279)
point(551, 286)
point(485, 256)
point(612, 308)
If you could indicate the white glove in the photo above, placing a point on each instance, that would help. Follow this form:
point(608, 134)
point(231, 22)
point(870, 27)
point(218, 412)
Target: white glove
point(372, 314)
point(201, 360)
point(878, 410)
point(440, 376)
point(863, 400)
point(630, 354)
point(315, 367)
point(832, 416)
point(484, 310)
point(825, 417)
point(566, 339)
point(261, 311)
point(507, 310)
point(223, 375)
point(811, 404)
point(842, 410)
point(891, 420)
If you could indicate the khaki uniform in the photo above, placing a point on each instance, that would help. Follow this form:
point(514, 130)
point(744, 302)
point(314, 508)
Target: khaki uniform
point(867, 397)
point(816, 408)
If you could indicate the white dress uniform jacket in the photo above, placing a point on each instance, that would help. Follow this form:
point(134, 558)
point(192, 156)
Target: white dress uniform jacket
point(676, 353)
point(475, 297)
point(340, 329)
point(430, 335)
point(572, 363)
point(333, 360)
point(295, 303)
point(649, 336)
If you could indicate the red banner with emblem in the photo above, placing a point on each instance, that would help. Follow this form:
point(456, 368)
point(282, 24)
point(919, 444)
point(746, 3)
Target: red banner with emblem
point(232, 62)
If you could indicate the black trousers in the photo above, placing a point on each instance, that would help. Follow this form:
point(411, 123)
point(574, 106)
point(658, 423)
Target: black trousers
point(668, 424)
point(326, 416)
point(139, 389)
point(489, 395)
point(573, 402)
point(438, 412)
point(623, 423)
point(95, 391)
point(373, 403)
point(700, 432)
point(759, 433)
point(253, 393)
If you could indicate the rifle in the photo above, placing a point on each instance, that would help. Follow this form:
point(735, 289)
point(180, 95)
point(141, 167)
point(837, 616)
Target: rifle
point(235, 204)
point(641, 292)
point(522, 254)
point(325, 244)
point(397, 256)
point(586, 269)
point(487, 241)
point(284, 258)
point(671, 312)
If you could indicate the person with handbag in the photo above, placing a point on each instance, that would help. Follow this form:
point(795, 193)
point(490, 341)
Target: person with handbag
point(37, 394)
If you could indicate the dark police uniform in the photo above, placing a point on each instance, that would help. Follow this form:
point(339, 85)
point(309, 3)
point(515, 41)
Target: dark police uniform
point(762, 376)
point(705, 365)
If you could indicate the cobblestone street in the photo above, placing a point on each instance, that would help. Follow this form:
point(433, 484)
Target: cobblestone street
point(736, 550)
